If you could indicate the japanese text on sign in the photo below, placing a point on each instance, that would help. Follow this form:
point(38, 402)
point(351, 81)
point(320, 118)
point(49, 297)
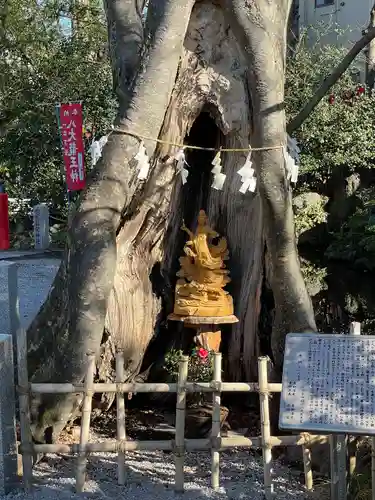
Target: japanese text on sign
point(329, 384)
point(70, 117)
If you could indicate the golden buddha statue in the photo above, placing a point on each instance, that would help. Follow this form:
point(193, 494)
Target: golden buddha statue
point(199, 291)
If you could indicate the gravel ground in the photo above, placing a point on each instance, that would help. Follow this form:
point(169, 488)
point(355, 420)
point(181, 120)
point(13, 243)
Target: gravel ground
point(150, 476)
point(35, 277)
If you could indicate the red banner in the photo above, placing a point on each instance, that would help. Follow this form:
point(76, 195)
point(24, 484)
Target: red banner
point(71, 125)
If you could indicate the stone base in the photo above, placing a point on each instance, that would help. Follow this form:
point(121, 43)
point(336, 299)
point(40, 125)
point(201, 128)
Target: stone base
point(8, 442)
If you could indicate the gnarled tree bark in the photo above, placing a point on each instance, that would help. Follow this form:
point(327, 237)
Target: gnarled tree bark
point(261, 31)
point(191, 58)
point(75, 312)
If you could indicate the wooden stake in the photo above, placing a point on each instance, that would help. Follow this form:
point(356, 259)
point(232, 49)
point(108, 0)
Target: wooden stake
point(85, 423)
point(215, 433)
point(307, 467)
point(179, 451)
point(121, 423)
point(24, 402)
point(265, 425)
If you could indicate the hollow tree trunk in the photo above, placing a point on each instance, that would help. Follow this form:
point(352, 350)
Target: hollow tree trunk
point(75, 313)
point(104, 296)
point(261, 30)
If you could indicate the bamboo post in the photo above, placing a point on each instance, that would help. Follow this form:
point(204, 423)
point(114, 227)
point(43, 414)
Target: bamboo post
point(24, 407)
point(215, 433)
point(307, 467)
point(85, 423)
point(352, 452)
point(265, 425)
point(121, 423)
point(355, 329)
point(333, 464)
point(179, 451)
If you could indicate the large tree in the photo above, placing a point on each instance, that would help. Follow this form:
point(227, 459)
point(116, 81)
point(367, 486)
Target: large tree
point(217, 67)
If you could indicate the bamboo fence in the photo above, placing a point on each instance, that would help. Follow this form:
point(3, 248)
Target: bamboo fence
point(179, 445)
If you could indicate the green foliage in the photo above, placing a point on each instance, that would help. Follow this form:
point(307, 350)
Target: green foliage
point(42, 63)
point(200, 367)
point(355, 242)
point(314, 277)
point(310, 215)
point(340, 131)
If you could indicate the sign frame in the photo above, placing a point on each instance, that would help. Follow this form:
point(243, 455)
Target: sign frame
point(289, 398)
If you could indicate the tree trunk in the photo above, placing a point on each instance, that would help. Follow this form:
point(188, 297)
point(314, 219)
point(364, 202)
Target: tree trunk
point(261, 30)
point(370, 60)
point(122, 230)
point(95, 268)
point(115, 286)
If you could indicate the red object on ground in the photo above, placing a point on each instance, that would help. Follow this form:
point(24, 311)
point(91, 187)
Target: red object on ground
point(71, 124)
point(4, 222)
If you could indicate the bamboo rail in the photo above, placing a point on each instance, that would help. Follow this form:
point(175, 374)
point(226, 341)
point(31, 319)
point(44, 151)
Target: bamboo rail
point(221, 443)
point(180, 445)
point(149, 387)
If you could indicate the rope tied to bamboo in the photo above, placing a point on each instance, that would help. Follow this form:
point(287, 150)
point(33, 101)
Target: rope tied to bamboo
point(178, 451)
point(306, 436)
point(23, 391)
point(121, 446)
point(215, 385)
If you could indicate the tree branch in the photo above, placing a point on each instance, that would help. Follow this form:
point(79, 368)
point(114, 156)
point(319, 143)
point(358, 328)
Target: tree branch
point(297, 121)
point(125, 37)
point(370, 62)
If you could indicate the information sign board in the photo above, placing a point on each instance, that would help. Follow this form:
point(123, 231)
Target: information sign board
point(328, 384)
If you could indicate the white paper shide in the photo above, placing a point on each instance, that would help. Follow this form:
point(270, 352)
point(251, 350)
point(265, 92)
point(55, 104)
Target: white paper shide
point(219, 177)
point(96, 149)
point(248, 179)
point(181, 162)
point(143, 164)
point(291, 158)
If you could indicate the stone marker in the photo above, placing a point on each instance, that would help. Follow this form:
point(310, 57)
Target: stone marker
point(9, 301)
point(8, 443)
point(41, 226)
